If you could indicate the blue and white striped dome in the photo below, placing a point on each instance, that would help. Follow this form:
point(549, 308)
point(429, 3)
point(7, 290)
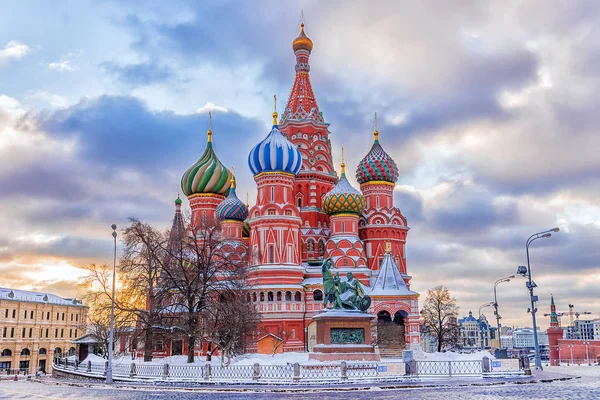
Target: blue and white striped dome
point(275, 153)
point(232, 207)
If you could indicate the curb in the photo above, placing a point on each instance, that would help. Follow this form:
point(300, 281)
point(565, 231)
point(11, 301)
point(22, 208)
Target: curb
point(287, 389)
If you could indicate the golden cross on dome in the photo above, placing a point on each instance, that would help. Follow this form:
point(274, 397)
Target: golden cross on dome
point(209, 131)
point(274, 109)
point(375, 127)
point(233, 176)
point(247, 202)
point(343, 162)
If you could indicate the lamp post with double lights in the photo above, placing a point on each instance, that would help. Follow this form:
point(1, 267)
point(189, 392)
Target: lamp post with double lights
point(480, 324)
point(522, 270)
point(499, 281)
point(111, 334)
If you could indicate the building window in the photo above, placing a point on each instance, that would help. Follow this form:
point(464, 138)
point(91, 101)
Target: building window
point(76, 317)
point(71, 317)
point(14, 313)
point(318, 295)
point(321, 248)
point(57, 316)
point(12, 332)
point(6, 313)
point(288, 296)
point(343, 226)
point(42, 351)
point(23, 333)
point(76, 333)
point(4, 332)
point(272, 194)
point(271, 254)
point(31, 314)
point(56, 333)
point(299, 202)
point(278, 296)
point(288, 213)
point(297, 297)
point(158, 346)
point(262, 296)
point(70, 333)
point(270, 296)
point(6, 353)
point(271, 212)
point(30, 332)
point(41, 332)
point(48, 315)
point(254, 297)
point(63, 316)
point(46, 332)
point(62, 333)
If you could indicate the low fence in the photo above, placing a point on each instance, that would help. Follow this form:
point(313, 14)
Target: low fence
point(290, 373)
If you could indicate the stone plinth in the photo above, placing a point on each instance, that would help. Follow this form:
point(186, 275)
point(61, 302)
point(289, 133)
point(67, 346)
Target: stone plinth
point(343, 335)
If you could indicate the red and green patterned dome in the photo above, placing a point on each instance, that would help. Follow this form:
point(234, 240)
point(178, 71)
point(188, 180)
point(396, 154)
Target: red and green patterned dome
point(343, 198)
point(208, 175)
point(377, 165)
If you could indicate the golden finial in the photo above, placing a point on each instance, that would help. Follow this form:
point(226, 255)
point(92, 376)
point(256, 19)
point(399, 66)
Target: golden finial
point(274, 109)
point(388, 247)
point(209, 132)
point(375, 128)
point(343, 162)
point(232, 177)
point(247, 202)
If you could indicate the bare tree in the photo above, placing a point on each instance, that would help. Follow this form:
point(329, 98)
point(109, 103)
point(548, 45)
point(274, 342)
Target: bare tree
point(228, 323)
point(439, 314)
point(201, 273)
point(139, 295)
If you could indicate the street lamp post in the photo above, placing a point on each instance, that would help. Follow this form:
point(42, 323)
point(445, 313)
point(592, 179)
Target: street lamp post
point(499, 281)
point(530, 285)
point(109, 377)
point(571, 347)
point(480, 324)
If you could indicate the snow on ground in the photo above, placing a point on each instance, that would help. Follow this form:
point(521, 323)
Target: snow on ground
point(289, 358)
point(583, 370)
point(93, 358)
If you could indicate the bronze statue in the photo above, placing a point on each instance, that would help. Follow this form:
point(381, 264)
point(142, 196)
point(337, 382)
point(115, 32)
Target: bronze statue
point(348, 295)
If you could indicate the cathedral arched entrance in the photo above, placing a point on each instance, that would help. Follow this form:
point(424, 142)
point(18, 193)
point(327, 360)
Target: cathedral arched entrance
point(390, 333)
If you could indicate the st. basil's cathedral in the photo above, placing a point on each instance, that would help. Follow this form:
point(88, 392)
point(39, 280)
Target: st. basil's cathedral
point(304, 213)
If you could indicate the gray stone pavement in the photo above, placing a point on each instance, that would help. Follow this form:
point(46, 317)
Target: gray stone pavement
point(541, 386)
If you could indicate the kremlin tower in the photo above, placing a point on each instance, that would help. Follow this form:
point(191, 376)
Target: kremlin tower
point(555, 333)
point(304, 213)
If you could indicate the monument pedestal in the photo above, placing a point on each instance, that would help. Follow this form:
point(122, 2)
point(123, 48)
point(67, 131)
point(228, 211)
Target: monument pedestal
point(343, 335)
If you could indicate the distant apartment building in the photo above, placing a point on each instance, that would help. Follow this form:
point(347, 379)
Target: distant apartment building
point(34, 327)
point(582, 329)
point(523, 338)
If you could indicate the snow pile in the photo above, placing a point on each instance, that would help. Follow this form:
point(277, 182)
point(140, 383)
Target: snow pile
point(94, 358)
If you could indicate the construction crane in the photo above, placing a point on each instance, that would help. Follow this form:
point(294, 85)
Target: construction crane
point(576, 314)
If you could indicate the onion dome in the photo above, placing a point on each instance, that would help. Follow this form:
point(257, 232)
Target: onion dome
point(275, 153)
point(343, 198)
point(208, 175)
point(232, 207)
point(246, 230)
point(302, 42)
point(178, 201)
point(377, 165)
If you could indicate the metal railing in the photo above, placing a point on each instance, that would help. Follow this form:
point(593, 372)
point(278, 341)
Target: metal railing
point(296, 372)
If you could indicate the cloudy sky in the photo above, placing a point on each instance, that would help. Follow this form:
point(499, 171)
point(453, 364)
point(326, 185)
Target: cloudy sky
point(490, 110)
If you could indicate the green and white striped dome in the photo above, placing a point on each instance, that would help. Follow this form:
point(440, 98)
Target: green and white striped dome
point(208, 175)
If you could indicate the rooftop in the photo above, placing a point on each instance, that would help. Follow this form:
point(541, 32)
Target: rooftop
point(37, 297)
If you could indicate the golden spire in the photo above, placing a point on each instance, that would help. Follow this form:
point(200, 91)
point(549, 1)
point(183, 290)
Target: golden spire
point(343, 162)
point(232, 177)
point(274, 109)
point(247, 202)
point(375, 128)
point(209, 132)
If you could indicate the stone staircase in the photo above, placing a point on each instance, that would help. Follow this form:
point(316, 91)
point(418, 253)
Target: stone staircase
point(393, 348)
